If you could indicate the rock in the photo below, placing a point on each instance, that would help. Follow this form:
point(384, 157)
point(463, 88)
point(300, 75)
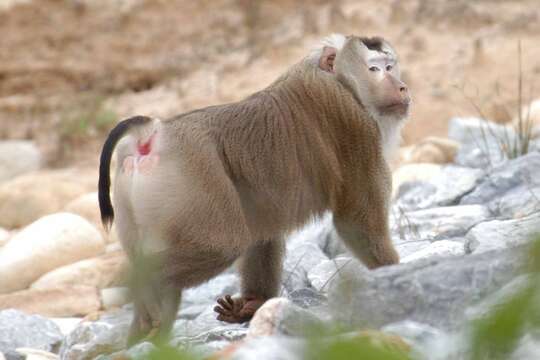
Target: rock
point(281, 316)
point(18, 157)
point(319, 276)
point(270, 348)
point(436, 223)
point(306, 298)
point(47, 244)
point(441, 248)
point(410, 246)
point(432, 149)
point(107, 270)
point(299, 260)
point(114, 297)
point(431, 292)
point(211, 290)
point(413, 173)
point(62, 301)
point(35, 354)
point(104, 336)
point(502, 234)
point(320, 232)
point(443, 188)
point(66, 324)
point(530, 113)
point(160, 102)
point(87, 206)
point(31, 196)
point(481, 141)
point(18, 330)
point(4, 237)
point(512, 189)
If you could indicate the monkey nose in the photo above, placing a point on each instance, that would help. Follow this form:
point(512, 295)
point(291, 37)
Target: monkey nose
point(403, 88)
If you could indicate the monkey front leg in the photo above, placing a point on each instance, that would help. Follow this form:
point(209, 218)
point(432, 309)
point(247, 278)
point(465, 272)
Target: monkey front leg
point(260, 271)
point(363, 226)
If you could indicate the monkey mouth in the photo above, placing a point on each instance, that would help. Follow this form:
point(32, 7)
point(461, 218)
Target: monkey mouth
point(400, 108)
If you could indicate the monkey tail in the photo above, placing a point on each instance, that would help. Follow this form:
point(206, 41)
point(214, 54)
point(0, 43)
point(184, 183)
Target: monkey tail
point(104, 183)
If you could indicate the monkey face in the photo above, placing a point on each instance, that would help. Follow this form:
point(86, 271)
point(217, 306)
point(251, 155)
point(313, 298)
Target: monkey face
point(369, 68)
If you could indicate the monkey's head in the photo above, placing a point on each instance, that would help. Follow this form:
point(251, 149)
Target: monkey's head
point(369, 68)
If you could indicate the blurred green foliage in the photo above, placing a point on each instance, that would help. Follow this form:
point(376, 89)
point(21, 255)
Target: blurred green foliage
point(497, 335)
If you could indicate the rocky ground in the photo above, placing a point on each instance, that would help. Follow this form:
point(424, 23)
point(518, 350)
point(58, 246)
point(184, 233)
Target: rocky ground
point(461, 229)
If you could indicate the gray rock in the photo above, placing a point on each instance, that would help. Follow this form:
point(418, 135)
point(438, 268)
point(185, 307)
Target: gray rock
point(320, 232)
point(208, 292)
point(511, 189)
point(436, 223)
point(441, 248)
point(409, 247)
point(444, 189)
point(281, 316)
point(431, 292)
point(501, 234)
point(480, 141)
point(104, 336)
point(18, 329)
point(271, 348)
point(307, 297)
point(299, 260)
point(319, 276)
point(18, 157)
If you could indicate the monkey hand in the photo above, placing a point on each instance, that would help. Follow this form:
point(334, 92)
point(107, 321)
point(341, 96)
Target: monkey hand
point(237, 310)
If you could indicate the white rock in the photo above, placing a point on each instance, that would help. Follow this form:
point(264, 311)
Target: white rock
point(31, 196)
point(36, 354)
point(436, 223)
point(4, 236)
point(441, 248)
point(77, 300)
point(412, 173)
point(48, 243)
point(66, 324)
point(319, 276)
point(114, 297)
point(107, 270)
point(18, 157)
point(87, 206)
point(502, 234)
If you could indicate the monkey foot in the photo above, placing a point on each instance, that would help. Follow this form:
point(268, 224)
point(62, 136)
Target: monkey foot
point(237, 310)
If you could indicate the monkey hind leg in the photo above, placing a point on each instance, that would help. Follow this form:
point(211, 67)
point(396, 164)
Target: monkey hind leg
point(156, 304)
point(260, 271)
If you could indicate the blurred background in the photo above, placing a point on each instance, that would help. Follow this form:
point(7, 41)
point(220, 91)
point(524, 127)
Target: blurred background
point(69, 69)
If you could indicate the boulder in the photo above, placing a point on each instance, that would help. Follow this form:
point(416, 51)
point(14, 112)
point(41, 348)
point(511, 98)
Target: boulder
point(281, 316)
point(104, 271)
point(87, 206)
point(512, 189)
point(18, 157)
point(441, 248)
point(4, 236)
point(47, 244)
point(112, 298)
point(443, 188)
point(74, 300)
point(434, 292)
point(436, 223)
point(502, 234)
point(413, 173)
point(18, 330)
point(299, 260)
point(31, 196)
point(434, 150)
point(92, 338)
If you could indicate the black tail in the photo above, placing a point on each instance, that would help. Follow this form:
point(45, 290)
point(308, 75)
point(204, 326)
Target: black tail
point(104, 183)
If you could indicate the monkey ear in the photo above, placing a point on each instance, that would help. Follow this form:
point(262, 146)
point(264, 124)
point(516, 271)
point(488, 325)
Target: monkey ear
point(328, 55)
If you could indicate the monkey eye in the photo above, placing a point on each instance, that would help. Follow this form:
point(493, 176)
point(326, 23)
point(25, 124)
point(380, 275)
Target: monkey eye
point(374, 68)
point(388, 67)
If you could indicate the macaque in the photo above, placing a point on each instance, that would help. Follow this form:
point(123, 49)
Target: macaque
point(196, 192)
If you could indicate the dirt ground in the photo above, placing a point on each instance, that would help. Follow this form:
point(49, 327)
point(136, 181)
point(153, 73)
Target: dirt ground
point(69, 69)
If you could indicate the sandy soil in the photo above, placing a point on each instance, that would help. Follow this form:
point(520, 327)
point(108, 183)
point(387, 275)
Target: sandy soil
point(70, 68)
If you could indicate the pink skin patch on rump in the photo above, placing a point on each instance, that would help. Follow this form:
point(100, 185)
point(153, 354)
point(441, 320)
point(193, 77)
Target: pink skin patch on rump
point(143, 162)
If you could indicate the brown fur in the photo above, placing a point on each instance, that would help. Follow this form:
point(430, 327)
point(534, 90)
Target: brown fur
point(233, 180)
